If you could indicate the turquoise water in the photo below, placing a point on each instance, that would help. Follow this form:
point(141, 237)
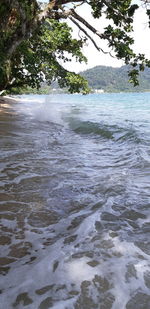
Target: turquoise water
point(74, 201)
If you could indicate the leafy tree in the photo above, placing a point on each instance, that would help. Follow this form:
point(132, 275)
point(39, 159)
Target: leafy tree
point(35, 40)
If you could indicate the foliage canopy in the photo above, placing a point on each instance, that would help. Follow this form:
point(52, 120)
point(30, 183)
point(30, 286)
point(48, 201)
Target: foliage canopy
point(36, 40)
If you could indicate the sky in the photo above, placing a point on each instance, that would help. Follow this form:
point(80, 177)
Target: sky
point(141, 35)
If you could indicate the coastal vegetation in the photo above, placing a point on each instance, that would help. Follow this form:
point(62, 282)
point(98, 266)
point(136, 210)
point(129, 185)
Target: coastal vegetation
point(100, 79)
point(111, 79)
point(36, 40)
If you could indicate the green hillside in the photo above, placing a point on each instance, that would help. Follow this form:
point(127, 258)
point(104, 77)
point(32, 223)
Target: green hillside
point(115, 79)
point(108, 79)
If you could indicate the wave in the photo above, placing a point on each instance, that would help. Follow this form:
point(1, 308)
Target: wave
point(88, 127)
point(112, 132)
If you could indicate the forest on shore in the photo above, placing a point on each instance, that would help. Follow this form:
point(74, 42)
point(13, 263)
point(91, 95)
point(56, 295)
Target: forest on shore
point(37, 44)
point(100, 79)
point(111, 79)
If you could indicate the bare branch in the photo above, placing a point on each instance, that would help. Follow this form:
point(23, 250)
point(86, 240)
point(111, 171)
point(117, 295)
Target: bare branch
point(87, 34)
point(85, 23)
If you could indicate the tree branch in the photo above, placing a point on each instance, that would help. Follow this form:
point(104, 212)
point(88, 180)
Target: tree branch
point(52, 5)
point(87, 34)
point(85, 23)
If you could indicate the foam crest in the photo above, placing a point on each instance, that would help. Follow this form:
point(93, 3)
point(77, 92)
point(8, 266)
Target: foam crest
point(78, 270)
point(43, 108)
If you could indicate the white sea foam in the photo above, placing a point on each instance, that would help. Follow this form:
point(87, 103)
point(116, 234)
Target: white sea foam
point(98, 249)
point(78, 270)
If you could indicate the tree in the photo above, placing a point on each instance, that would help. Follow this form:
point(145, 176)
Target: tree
point(35, 40)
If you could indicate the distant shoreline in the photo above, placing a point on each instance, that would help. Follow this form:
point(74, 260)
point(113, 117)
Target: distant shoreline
point(4, 100)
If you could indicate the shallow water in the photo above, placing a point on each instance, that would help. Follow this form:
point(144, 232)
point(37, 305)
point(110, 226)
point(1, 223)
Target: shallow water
point(74, 201)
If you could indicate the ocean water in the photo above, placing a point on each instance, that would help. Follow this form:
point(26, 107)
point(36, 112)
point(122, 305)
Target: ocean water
point(75, 202)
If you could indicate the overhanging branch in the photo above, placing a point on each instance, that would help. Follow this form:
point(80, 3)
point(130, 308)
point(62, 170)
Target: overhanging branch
point(87, 34)
point(85, 23)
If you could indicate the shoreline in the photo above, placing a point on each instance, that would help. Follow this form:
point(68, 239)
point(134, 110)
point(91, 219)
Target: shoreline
point(7, 99)
point(6, 102)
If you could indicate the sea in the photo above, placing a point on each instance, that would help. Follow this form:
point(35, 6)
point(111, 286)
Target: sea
point(75, 201)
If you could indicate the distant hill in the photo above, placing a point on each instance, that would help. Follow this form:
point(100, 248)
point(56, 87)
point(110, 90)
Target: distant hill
point(115, 79)
point(108, 79)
